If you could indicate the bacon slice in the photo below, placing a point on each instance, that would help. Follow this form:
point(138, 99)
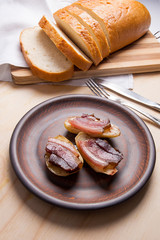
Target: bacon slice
point(89, 124)
point(98, 153)
point(103, 144)
point(63, 155)
point(64, 144)
point(60, 162)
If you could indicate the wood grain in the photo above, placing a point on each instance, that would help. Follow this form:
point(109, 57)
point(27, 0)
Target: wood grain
point(24, 216)
point(140, 57)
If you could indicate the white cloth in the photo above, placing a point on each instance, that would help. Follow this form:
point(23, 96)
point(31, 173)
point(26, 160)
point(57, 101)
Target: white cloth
point(16, 15)
point(125, 81)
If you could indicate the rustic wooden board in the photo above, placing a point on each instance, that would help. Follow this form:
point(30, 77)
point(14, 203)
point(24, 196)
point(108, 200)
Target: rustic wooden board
point(139, 57)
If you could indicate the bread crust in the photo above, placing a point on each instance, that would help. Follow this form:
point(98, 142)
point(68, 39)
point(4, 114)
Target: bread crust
point(91, 48)
point(57, 170)
point(75, 56)
point(43, 74)
point(124, 21)
point(93, 26)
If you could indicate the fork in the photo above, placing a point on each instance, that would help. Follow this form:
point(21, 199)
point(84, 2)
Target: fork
point(99, 90)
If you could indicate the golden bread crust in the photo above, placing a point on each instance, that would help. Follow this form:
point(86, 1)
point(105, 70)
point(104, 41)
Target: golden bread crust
point(93, 26)
point(124, 21)
point(91, 48)
point(75, 56)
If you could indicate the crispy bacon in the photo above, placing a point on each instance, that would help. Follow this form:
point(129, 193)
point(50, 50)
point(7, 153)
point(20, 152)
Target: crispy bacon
point(89, 124)
point(61, 156)
point(103, 144)
point(64, 144)
point(98, 153)
point(58, 161)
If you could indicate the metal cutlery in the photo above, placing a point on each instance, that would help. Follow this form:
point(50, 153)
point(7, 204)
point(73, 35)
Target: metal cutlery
point(130, 94)
point(157, 35)
point(99, 90)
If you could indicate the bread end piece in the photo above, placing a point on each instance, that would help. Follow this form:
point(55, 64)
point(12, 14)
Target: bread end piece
point(42, 56)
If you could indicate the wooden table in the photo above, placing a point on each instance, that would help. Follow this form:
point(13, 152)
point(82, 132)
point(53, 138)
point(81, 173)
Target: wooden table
point(24, 216)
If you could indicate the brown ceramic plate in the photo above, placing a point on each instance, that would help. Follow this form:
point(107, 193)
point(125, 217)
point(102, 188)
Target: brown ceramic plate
point(86, 189)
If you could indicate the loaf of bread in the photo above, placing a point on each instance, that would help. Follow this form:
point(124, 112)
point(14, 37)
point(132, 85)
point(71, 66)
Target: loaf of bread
point(123, 21)
point(86, 31)
point(43, 57)
point(65, 45)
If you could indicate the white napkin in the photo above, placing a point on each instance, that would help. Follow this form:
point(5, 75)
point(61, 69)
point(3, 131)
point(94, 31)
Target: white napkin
point(16, 15)
point(125, 81)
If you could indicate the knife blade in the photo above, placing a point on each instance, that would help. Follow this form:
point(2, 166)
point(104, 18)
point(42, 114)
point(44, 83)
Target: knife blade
point(130, 94)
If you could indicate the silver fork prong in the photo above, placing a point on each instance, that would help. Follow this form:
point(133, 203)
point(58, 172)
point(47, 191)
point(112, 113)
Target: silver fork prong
point(92, 89)
point(101, 91)
point(156, 35)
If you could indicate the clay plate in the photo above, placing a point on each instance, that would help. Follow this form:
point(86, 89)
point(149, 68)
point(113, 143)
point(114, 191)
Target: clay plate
point(86, 189)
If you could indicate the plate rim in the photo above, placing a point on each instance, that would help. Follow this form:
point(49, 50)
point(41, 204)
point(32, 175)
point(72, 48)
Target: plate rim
point(71, 205)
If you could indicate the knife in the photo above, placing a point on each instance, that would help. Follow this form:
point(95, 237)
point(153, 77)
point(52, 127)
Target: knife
point(130, 94)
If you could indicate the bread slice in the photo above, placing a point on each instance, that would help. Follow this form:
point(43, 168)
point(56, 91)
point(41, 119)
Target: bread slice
point(92, 26)
point(78, 34)
point(65, 45)
point(43, 57)
point(122, 21)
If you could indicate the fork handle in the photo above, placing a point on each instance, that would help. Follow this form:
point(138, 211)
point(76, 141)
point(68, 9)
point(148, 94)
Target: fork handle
point(154, 119)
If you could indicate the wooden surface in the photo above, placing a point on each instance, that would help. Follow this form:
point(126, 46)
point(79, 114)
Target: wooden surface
point(24, 216)
point(139, 57)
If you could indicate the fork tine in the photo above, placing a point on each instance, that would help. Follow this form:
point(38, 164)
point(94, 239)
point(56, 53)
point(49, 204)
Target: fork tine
point(99, 88)
point(92, 89)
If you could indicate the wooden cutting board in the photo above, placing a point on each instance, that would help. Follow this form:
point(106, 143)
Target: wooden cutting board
point(139, 57)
